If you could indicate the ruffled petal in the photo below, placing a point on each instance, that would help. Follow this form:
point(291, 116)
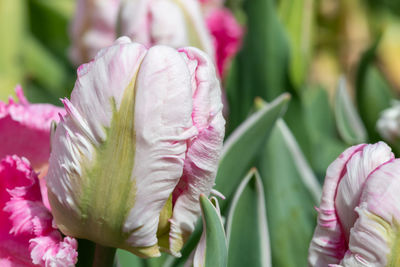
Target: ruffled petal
point(22, 122)
point(349, 188)
point(375, 236)
point(344, 182)
point(203, 151)
point(14, 173)
point(24, 217)
point(50, 250)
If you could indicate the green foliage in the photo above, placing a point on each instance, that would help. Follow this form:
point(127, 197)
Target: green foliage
point(348, 121)
point(260, 68)
point(291, 191)
point(215, 254)
point(247, 229)
point(244, 144)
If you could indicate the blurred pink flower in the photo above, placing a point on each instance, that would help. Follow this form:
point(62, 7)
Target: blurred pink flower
point(359, 214)
point(27, 234)
point(144, 128)
point(25, 129)
point(25, 132)
point(227, 34)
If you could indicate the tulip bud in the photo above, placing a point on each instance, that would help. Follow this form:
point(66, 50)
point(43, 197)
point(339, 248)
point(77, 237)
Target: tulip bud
point(359, 214)
point(140, 142)
point(388, 124)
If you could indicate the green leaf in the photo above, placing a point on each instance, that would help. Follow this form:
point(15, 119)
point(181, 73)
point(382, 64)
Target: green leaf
point(319, 121)
point(349, 123)
point(212, 249)
point(247, 229)
point(243, 145)
point(373, 92)
point(260, 68)
point(298, 18)
point(291, 191)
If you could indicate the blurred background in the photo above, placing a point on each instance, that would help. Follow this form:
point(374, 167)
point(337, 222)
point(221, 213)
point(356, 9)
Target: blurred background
point(339, 60)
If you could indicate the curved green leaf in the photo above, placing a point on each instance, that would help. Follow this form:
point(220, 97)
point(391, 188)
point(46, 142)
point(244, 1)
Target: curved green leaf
point(247, 229)
point(291, 191)
point(212, 249)
point(349, 123)
point(242, 146)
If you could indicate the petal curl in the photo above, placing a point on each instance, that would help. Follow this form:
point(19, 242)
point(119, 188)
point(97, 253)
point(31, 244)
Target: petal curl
point(375, 236)
point(203, 151)
point(344, 181)
point(24, 217)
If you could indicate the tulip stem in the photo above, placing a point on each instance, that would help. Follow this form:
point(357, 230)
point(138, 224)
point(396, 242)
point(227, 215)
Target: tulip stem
point(104, 256)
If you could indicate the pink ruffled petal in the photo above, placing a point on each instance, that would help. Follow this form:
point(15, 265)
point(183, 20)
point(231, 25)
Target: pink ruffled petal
point(344, 182)
point(203, 152)
point(50, 250)
point(23, 218)
point(375, 235)
point(13, 249)
point(21, 123)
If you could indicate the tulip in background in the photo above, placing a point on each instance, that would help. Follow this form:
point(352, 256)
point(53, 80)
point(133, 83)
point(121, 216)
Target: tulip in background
point(150, 22)
point(144, 128)
point(359, 214)
point(388, 124)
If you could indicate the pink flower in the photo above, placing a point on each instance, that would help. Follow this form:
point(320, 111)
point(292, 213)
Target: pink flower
point(359, 215)
point(227, 34)
point(25, 129)
point(140, 142)
point(27, 235)
point(25, 132)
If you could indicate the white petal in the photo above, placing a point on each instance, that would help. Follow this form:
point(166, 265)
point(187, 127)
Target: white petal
point(163, 126)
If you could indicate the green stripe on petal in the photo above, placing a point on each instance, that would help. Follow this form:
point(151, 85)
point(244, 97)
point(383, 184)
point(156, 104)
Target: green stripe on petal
point(107, 181)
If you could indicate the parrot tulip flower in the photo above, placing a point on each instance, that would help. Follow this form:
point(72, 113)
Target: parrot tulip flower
point(140, 142)
point(359, 214)
point(27, 234)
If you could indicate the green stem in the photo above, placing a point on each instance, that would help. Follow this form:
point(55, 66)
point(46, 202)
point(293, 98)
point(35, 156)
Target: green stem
point(103, 256)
